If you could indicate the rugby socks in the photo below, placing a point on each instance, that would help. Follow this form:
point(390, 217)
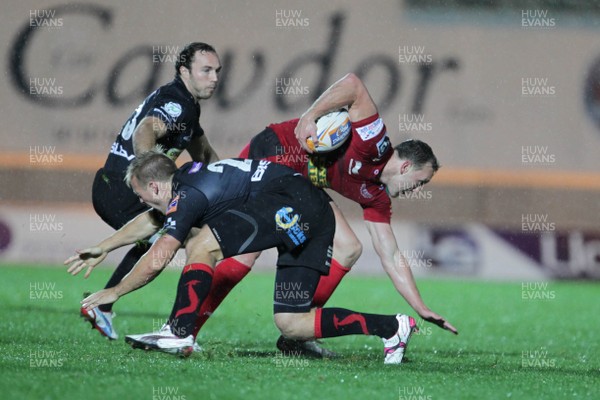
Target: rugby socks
point(328, 283)
point(124, 267)
point(227, 274)
point(192, 289)
point(332, 322)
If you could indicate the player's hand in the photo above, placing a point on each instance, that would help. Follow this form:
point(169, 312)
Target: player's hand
point(438, 320)
point(104, 296)
point(89, 258)
point(306, 128)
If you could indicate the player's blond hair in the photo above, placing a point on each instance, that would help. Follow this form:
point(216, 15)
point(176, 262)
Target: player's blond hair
point(152, 165)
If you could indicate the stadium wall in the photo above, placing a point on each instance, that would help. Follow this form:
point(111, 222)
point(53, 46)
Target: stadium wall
point(509, 106)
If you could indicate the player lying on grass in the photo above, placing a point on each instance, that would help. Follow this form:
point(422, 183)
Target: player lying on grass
point(169, 116)
point(367, 170)
point(242, 206)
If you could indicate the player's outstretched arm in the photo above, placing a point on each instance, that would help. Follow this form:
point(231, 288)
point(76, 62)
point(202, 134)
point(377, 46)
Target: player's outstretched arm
point(139, 228)
point(146, 269)
point(347, 92)
point(398, 270)
point(89, 258)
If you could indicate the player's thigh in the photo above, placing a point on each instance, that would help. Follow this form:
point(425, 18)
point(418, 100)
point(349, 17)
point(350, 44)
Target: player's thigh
point(346, 246)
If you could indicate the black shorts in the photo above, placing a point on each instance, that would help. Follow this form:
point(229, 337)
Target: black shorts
point(289, 214)
point(113, 200)
point(294, 289)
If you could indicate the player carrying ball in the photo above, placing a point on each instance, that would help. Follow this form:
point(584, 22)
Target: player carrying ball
point(366, 170)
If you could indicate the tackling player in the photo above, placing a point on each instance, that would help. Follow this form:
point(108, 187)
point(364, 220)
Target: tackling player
point(235, 202)
point(367, 170)
point(170, 117)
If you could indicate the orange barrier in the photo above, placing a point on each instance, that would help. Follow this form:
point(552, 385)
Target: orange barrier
point(448, 176)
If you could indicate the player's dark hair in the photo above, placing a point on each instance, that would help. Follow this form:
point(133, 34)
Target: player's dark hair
point(186, 56)
point(418, 152)
point(150, 165)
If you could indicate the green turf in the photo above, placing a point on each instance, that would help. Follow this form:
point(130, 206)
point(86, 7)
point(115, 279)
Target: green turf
point(509, 346)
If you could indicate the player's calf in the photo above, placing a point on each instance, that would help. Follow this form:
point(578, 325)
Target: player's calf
point(296, 326)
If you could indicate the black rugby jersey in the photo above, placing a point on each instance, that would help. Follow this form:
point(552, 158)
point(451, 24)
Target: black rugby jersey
point(176, 107)
point(204, 192)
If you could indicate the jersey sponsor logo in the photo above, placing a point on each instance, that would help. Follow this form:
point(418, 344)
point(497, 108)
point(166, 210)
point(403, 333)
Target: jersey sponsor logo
point(289, 223)
point(173, 205)
point(196, 166)
point(317, 175)
point(284, 220)
point(173, 109)
point(118, 150)
point(364, 192)
point(354, 166)
point(382, 146)
point(260, 170)
point(371, 130)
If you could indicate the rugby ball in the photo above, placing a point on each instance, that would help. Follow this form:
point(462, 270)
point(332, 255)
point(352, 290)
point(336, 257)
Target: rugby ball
point(333, 130)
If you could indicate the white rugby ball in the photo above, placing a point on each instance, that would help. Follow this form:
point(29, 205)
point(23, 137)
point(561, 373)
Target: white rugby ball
point(333, 130)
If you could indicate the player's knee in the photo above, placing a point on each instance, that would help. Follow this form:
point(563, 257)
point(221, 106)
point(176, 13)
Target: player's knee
point(348, 251)
point(292, 325)
point(247, 259)
point(354, 252)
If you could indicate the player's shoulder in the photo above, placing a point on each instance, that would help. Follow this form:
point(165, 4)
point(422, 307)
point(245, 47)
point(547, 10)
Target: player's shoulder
point(176, 92)
point(173, 103)
point(369, 128)
point(189, 174)
point(370, 142)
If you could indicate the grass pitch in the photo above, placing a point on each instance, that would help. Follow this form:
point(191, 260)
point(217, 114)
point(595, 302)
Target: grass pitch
point(517, 341)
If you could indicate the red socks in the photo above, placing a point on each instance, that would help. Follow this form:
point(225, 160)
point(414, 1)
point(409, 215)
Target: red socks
point(192, 289)
point(227, 274)
point(328, 283)
point(230, 271)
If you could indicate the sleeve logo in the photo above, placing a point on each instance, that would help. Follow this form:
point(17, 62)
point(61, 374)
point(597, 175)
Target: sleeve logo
point(173, 109)
point(169, 224)
point(371, 130)
point(196, 166)
point(382, 146)
point(173, 205)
